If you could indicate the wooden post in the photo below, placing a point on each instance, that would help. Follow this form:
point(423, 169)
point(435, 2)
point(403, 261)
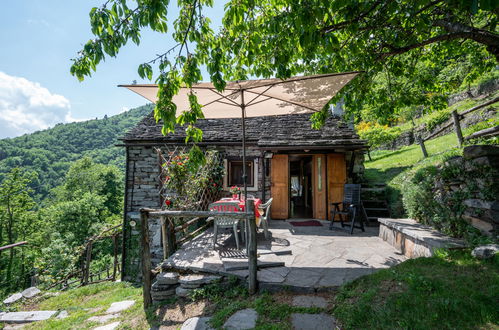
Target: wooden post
point(170, 236)
point(146, 258)
point(423, 148)
point(115, 253)
point(164, 237)
point(252, 258)
point(457, 127)
point(88, 259)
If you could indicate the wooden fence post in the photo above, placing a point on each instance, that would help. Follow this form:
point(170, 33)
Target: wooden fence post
point(252, 258)
point(88, 259)
point(457, 127)
point(146, 258)
point(164, 237)
point(170, 236)
point(423, 148)
point(115, 255)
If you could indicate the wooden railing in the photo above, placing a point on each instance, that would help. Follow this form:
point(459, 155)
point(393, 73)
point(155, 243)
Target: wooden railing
point(84, 276)
point(456, 118)
point(170, 243)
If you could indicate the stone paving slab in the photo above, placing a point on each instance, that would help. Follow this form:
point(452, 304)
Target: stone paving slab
point(197, 323)
point(110, 326)
point(30, 292)
point(167, 278)
point(302, 321)
point(120, 306)
point(241, 320)
point(103, 318)
point(25, 317)
point(13, 298)
point(320, 258)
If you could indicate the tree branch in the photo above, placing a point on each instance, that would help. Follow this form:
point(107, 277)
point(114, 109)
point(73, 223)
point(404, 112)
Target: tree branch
point(485, 37)
point(341, 25)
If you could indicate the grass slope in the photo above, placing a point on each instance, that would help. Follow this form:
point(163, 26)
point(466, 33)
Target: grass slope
point(451, 290)
point(92, 300)
point(50, 152)
point(393, 166)
point(448, 291)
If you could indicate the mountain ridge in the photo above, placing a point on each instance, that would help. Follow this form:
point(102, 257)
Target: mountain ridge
point(50, 152)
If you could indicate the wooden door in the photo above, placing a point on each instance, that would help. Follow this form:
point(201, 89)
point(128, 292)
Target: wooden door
point(319, 182)
point(336, 178)
point(279, 177)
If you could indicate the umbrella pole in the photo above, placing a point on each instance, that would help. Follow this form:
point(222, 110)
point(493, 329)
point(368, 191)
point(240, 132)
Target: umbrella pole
point(250, 222)
point(245, 176)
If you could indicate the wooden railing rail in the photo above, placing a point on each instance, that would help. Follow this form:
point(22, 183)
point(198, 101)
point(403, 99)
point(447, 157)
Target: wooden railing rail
point(10, 246)
point(456, 118)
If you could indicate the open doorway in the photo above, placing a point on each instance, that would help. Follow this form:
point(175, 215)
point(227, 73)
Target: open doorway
point(300, 185)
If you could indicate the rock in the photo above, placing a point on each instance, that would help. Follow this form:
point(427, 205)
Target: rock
point(480, 150)
point(243, 319)
point(309, 301)
point(24, 317)
point(485, 251)
point(160, 287)
point(30, 292)
point(62, 315)
point(120, 306)
point(195, 281)
point(162, 295)
point(110, 326)
point(301, 321)
point(102, 318)
point(183, 292)
point(197, 323)
point(13, 298)
point(167, 278)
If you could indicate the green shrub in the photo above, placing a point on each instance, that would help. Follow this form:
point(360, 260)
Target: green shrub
point(436, 118)
point(376, 134)
point(435, 196)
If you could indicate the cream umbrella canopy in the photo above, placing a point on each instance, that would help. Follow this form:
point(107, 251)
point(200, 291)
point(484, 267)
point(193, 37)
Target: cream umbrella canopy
point(255, 98)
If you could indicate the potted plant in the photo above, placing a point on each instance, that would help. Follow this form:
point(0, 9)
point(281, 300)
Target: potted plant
point(235, 191)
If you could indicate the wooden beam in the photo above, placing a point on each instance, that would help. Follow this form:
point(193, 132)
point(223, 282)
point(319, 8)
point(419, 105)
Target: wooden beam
point(457, 128)
point(491, 131)
point(252, 257)
point(201, 214)
point(10, 246)
point(146, 258)
point(423, 147)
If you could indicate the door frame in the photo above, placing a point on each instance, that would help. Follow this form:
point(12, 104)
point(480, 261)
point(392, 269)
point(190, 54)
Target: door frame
point(321, 200)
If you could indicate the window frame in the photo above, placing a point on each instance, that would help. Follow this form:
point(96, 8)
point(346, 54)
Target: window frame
point(251, 187)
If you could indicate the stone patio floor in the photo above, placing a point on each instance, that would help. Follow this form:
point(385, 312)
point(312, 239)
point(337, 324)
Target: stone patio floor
point(315, 258)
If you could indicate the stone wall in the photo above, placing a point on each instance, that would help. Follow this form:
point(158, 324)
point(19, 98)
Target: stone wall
point(482, 212)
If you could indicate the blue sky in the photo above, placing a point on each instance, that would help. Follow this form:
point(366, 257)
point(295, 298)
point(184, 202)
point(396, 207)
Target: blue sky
point(38, 38)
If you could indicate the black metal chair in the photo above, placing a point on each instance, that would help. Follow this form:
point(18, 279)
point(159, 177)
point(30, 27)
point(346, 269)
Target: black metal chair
point(349, 209)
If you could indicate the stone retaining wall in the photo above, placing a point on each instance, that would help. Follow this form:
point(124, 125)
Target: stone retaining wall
point(414, 239)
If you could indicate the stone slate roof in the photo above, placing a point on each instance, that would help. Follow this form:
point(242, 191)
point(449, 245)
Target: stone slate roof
point(269, 131)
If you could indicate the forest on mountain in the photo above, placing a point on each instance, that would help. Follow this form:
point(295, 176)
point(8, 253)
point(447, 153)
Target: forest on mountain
point(49, 153)
point(59, 187)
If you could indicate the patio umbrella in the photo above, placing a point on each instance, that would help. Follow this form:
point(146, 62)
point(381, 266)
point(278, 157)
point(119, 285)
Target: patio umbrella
point(255, 98)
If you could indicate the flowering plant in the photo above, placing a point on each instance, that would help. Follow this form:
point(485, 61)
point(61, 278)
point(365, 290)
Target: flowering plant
point(189, 186)
point(234, 190)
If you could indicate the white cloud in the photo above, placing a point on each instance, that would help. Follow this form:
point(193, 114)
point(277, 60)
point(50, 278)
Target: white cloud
point(26, 106)
point(124, 109)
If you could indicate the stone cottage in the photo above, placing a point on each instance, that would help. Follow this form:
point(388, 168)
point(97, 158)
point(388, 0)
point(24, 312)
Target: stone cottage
point(303, 169)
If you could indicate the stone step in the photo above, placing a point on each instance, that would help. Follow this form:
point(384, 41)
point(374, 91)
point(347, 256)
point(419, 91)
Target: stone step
point(167, 278)
point(26, 317)
point(196, 280)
